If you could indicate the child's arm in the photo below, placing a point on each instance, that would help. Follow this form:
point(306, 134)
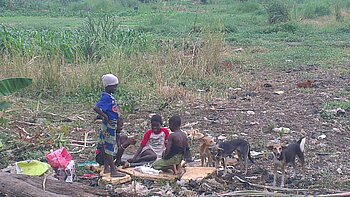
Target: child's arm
point(100, 112)
point(168, 146)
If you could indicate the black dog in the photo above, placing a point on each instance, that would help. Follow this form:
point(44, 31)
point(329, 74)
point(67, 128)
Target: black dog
point(227, 148)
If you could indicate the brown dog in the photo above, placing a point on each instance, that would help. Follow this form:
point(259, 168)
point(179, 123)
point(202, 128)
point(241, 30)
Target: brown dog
point(204, 151)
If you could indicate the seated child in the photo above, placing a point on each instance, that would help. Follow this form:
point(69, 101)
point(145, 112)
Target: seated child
point(152, 145)
point(176, 147)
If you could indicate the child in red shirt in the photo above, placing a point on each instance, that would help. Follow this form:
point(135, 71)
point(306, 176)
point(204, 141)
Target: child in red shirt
point(153, 143)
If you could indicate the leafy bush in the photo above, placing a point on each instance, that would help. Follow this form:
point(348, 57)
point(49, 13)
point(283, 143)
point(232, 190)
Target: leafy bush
point(282, 27)
point(277, 12)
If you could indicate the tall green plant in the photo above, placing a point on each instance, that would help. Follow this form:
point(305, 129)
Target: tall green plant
point(277, 12)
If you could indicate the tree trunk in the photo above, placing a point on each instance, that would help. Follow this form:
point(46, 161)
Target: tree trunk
point(27, 186)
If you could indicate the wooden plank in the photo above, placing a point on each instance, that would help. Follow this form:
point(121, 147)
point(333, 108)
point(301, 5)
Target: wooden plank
point(115, 180)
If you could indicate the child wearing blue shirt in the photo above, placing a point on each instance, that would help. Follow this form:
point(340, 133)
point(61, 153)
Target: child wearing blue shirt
point(107, 108)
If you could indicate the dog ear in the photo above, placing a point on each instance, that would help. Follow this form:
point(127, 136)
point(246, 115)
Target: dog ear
point(284, 146)
point(270, 146)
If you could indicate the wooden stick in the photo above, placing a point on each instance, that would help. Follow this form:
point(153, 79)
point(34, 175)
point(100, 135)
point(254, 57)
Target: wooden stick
point(267, 187)
point(258, 193)
point(28, 123)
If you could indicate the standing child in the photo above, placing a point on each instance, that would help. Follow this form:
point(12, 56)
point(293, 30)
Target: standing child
point(107, 108)
point(176, 147)
point(153, 143)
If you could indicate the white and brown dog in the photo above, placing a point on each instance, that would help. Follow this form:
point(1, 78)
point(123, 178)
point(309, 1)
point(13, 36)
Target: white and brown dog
point(287, 154)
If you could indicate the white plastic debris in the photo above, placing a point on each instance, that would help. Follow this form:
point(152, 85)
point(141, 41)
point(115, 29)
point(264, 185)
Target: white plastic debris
point(222, 137)
point(250, 112)
point(70, 171)
point(321, 137)
point(339, 171)
point(278, 92)
point(280, 129)
point(255, 153)
point(147, 170)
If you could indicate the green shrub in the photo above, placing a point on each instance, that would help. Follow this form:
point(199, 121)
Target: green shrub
point(282, 27)
point(277, 12)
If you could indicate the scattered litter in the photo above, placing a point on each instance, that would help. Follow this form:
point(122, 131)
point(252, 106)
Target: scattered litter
point(254, 123)
point(244, 134)
point(238, 50)
point(70, 172)
point(10, 169)
point(59, 159)
point(339, 171)
point(278, 92)
point(151, 114)
point(32, 167)
point(281, 129)
point(336, 130)
point(289, 61)
point(135, 188)
point(147, 170)
point(255, 153)
point(88, 164)
point(250, 112)
point(181, 182)
point(1, 145)
point(88, 176)
point(222, 137)
point(321, 137)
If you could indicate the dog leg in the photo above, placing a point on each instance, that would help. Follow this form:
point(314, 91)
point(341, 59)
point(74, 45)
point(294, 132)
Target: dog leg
point(283, 174)
point(174, 169)
point(225, 166)
point(274, 174)
point(294, 169)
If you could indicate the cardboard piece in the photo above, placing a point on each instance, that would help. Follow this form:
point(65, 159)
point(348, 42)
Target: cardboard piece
point(197, 173)
point(115, 180)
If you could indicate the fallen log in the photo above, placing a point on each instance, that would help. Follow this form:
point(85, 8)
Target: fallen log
point(27, 186)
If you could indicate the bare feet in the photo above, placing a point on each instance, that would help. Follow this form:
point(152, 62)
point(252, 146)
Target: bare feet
point(117, 174)
point(106, 170)
point(126, 165)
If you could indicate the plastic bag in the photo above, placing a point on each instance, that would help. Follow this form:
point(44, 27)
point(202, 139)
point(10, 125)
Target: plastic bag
point(31, 167)
point(59, 159)
point(70, 172)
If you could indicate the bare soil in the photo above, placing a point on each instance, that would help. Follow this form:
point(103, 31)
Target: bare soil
point(249, 112)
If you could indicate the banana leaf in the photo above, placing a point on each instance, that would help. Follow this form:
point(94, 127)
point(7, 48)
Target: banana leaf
point(11, 85)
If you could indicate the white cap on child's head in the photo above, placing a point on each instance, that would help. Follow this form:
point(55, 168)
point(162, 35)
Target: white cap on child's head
point(109, 79)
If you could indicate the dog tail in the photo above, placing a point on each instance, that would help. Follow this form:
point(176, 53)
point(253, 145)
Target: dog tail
point(301, 143)
point(249, 156)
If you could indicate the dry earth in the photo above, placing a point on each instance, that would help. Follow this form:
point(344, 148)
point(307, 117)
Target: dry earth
point(249, 112)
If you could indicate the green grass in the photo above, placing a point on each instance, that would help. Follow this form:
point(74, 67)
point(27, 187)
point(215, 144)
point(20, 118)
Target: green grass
point(42, 22)
point(157, 36)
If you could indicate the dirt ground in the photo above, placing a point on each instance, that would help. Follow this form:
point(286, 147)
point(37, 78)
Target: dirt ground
point(251, 113)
